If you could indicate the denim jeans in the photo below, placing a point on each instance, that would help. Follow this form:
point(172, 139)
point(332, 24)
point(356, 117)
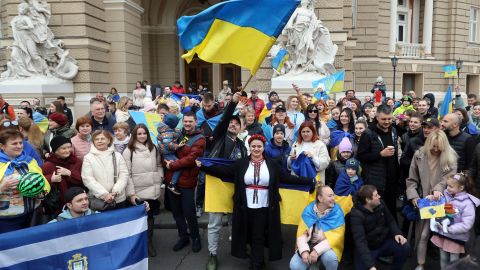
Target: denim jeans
point(328, 259)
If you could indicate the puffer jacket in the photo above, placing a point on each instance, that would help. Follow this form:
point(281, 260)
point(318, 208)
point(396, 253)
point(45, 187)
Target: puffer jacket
point(97, 173)
point(463, 221)
point(145, 172)
point(278, 153)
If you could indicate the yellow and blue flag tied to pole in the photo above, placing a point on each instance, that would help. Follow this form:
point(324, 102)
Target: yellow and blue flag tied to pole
point(449, 71)
point(151, 120)
point(431, 208)
point(447, 104)
point(333, 83)
point(332, 225)
point(264, 114)
point(107, 241)
point(240, 32)
point(41, 121)
point(279, 60)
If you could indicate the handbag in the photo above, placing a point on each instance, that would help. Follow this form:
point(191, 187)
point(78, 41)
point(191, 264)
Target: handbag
point(100, 205)
point(51, 202)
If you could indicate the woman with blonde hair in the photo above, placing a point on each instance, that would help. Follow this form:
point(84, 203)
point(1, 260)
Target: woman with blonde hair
point(294, 111)
point(121, 114)
point(431, 165)
point(31, 133)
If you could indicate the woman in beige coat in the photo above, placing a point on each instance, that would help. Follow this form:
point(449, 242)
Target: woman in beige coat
point(430, 167)
point(98, 170)
point(146, 175)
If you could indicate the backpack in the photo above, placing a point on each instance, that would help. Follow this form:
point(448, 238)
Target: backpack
point(4, 109)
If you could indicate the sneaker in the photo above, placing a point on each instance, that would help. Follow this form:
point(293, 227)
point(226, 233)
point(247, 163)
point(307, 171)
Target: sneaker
point(174, 189)
point(212, 262)
point(181, 243)
point(196, 244)
point(199, 212)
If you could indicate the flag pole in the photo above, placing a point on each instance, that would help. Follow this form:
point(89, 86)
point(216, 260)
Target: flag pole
point(249, 78)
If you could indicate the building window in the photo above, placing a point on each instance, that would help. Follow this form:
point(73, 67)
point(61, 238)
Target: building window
point(402, 3)
point(354, 13)
point(402, 27)
point(473, 34)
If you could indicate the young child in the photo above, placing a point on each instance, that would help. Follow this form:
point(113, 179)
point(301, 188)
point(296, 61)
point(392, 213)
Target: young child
point(452, 242)
point(121, 131)
point(348, 181)
point(335, 168)
point(168, 140)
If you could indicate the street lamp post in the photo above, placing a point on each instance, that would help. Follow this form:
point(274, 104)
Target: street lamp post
point(458, 64)
point(394, 60)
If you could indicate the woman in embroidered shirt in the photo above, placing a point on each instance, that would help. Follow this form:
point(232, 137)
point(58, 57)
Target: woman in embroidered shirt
point(256, 202)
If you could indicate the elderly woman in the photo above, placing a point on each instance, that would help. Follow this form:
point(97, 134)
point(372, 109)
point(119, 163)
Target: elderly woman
point(57, 126)
point(15, 210)
point(431, 165)
point(146, 175)
point(309, 145)
point(104, 172)
point(63, 170)
point(82, 142)
point(256, 202)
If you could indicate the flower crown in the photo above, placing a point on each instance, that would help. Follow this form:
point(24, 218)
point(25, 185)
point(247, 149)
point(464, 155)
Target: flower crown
point(257, 137)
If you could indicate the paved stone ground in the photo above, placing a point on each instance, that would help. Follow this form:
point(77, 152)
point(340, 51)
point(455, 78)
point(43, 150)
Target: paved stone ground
point(166, 259)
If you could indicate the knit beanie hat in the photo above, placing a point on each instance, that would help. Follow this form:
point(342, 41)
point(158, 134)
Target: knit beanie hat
point(171, 120)
point(59, 118)
point(352, 163)
point(278, 127)
point(345, 145)
point(72, 193)
point(57, 142)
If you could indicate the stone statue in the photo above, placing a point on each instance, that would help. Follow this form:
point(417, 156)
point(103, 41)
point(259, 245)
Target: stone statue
point(35, 52)
point(308, 43)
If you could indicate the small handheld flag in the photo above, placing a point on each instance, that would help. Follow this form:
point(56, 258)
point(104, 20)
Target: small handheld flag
point(449, 71)
point(279, 61)
point(446, 107)
point(431, 208)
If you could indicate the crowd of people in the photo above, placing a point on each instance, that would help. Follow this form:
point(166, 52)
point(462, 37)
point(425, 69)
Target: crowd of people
point(385, 153)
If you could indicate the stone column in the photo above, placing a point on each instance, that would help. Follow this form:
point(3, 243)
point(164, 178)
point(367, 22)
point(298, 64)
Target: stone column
point(393, 26)
point(427, 26)
point(416, 21)
point(123, 30)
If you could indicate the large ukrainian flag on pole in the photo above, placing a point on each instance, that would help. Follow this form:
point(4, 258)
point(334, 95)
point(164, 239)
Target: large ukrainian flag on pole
point(240, 32)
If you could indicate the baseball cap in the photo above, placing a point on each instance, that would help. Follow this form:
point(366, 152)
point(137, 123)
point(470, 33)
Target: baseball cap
point(431, 122)
point(280, 108)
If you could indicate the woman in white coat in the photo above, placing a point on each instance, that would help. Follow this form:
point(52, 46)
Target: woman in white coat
point(309, 143)
point(98, 171)
point(146, 175)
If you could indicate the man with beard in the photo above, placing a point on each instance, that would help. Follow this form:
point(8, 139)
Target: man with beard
point(227, 145)
point(428, 126)
point(463, 143)
point(378, 152)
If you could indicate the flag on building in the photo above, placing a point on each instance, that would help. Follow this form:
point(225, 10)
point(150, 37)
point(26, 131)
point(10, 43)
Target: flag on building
point(110, 240)
point(332, 83)
point(279, 60)
point(449, 71)
point(151, 120)
point(447, 104)
point(240, 32)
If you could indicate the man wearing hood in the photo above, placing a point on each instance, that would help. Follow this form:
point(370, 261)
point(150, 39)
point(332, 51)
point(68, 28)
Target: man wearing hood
point(278, 148)
point(76, 205)
point(432, 110)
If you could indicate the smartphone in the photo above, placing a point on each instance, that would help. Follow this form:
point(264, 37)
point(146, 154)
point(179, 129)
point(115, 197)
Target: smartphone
point(4, 205)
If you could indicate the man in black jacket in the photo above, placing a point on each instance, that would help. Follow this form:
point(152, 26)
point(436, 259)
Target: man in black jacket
point(463, 143)
point(375, 232)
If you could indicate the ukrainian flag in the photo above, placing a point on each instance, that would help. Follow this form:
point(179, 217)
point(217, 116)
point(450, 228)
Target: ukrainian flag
point(151, 120)
point(41, 121)
point(447, 104)
point(279, 60)
point(333, 83)
point(240, 32)
point(332, 225)
point(449, 71)
point(264, 114)
point(431, 208)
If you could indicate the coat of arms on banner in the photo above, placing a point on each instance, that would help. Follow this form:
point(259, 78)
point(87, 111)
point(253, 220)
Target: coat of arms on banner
point(78, 262)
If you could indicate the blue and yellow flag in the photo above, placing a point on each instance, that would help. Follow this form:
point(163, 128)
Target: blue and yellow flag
point(151, 120)
point(333, 83)
point(240, 32)
point(447, 104)
point(431, 208)
point(279, 60)
point(264, 114)
point(449, 71)
point(41, 121)
point(332, 225)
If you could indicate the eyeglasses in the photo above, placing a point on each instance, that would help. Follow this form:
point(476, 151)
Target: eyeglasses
point(10, 123)
point(312, 111)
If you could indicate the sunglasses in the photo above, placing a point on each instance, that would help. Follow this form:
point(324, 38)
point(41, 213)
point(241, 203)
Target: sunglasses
point(10, 123)
point(312, 111)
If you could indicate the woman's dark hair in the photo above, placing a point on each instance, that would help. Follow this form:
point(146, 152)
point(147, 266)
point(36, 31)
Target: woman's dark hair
point(351, 123)
point(133, 138)
point(465, 116)
point(365, 192)
point(317, 119)
point(58, 106)
point(28, 110)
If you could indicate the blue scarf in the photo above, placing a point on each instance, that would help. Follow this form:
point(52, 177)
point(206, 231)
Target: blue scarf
point(303, 166)
point(212, 122)
point(330, 221)
point(21, 161)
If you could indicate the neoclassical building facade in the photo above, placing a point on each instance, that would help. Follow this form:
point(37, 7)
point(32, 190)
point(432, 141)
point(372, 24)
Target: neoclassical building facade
point(119, 42)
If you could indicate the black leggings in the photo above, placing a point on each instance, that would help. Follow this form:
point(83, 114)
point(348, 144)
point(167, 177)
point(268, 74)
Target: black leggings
point(257, 228)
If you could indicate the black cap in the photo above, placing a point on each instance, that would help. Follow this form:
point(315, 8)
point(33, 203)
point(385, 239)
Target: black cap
point(72, 193)
point(58, 141)
point(431, 122)
point(237, 118)
point(278, 127)
point(254, 91)
point(280, 108)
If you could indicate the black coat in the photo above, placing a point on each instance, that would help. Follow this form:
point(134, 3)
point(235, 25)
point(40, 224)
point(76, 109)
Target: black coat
point(273, 236)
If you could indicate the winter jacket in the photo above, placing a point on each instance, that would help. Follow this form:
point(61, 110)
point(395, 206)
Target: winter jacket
point(463, 221)
point(334, 169)
point(412, 145)
point(145, 172)
point(402, 109)
point(178, 90)
point(464, 144)
point(257, 105)
point(64, 131)
point(344, 186)
point(254, 128)
point(320, 159)
point(68, 112)
point(371, 229)
point(432, 111)
point(186, 160)
point(475, 167)
point(6, 108)
point(71, 163)
point(80, 147)
point(278, 153)
point(323, 133)
point(97, 173)
point(67, 215)
point(106, 124)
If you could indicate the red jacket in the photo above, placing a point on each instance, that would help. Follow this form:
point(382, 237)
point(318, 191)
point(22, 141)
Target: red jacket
point(8, 108)
point(71, 163)
point(178, 90)
point(186, 162)
point(258, 107)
